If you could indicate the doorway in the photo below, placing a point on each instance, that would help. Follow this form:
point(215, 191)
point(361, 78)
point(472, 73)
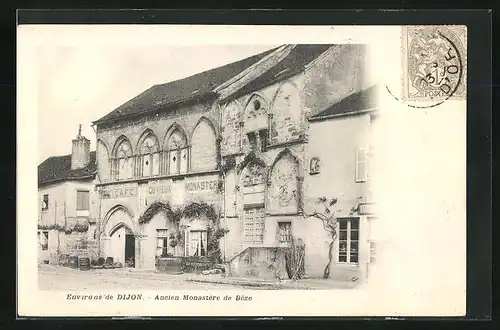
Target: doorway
point(129, 250)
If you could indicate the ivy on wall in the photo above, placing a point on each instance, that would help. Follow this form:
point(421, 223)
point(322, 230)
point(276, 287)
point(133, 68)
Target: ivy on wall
point(192, 211)
point(174, 214)
point(197, 209)
point(77, 228)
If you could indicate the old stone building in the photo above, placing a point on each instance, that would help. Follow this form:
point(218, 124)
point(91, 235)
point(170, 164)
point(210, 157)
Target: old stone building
point(222, 161)
point(67, 214)
point(158, 170)
point(269, 143)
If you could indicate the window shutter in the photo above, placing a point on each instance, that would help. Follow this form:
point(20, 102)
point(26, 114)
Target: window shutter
point(187, 241)
point(361, 165)
point(173, 162)
point(130, 167)
point(156, 164)
point(85, 196)
point(184, 160)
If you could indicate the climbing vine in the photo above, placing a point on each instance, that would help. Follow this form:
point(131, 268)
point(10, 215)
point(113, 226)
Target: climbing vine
point(197, 209)
point(214, 233)
point(156, 207)
point(191, 211)
point(77, 228)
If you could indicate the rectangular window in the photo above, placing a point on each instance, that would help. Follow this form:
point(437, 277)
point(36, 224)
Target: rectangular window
point(254, 224)
point(121, 169)
point(146, 165)
point(361, 165)
point(285, 231)
point(82, 200)
point(45, 202)
point(173, 162)
point(348, 240)
point(252, 140)
point(263, 140)
point(198, 243)
point(162, 239)
point(43, 239)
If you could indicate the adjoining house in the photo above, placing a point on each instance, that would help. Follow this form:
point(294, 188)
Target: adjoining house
point(67, 217)
point(221, 165)
point(342, 168)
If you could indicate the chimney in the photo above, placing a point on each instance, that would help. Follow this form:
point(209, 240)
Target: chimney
point(80, 153)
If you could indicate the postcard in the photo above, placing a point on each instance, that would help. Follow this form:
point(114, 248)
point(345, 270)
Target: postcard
point(169, 170)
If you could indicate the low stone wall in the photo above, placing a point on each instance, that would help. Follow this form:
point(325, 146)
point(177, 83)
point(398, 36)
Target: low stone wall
point(262, 262)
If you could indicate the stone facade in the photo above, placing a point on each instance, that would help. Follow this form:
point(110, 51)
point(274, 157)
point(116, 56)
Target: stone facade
point(272, 186)
point(169, 157)
point(255, 158)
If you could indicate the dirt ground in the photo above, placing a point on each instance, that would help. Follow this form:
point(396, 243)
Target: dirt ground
point(67, 279)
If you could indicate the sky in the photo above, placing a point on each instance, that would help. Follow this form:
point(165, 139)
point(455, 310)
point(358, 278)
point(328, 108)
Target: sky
point(80, 84)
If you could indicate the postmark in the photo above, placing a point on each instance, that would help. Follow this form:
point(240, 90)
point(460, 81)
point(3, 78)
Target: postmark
point(434, 64)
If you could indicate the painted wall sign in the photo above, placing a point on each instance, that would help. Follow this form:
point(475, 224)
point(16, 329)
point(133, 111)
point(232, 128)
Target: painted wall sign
point(202, 185)
point(121, 192)
point(159, 189)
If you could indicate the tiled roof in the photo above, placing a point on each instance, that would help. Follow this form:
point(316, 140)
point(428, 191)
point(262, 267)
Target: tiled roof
point(58, 168)
point(293, 63)
point(363, 100)
point(185, 89)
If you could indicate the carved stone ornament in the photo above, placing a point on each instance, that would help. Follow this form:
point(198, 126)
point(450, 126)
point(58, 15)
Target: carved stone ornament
point(254, 174)
point(314, 165)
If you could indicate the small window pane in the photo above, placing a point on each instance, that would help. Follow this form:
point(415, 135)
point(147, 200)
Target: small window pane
point(354, 234)
point(343, 234)
point(342, 246)
point(354, 257)
point(354, 224)
point(354, 246)
point(342, 258)
point(343, 224)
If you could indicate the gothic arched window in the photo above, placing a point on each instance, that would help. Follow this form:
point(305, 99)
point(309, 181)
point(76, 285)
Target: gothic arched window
point(123, 160)
point(149, 155)
point(103, 161)
point(284, 188)
point(286, 114)
point(231, 129)
point(177, 153)
point(203, 147)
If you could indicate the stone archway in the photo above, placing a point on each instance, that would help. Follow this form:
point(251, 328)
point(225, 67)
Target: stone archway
point(118, 236)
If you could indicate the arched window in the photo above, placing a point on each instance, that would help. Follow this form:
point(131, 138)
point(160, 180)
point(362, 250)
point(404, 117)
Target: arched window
point(177, 153)
point(103, 161)
point(123, 162)
point(203, 147)
point(231, 129)
point(256, 124)
point(286, 114)
point(283, 191)
point(149, 155)
point(253, 182)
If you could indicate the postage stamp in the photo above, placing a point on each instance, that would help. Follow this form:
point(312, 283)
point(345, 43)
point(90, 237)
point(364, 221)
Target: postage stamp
point(434, 64)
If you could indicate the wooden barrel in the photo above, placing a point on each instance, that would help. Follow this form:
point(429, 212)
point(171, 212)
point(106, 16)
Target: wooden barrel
point(84, 263)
